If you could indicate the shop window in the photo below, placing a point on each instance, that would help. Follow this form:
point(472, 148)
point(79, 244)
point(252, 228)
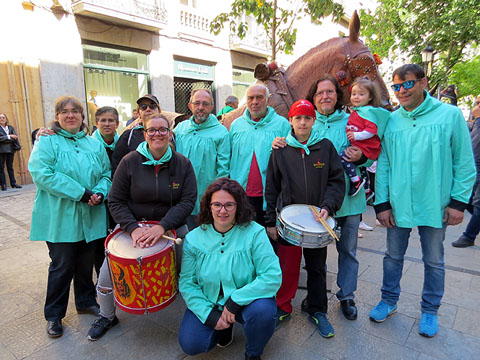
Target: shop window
point(242, 79)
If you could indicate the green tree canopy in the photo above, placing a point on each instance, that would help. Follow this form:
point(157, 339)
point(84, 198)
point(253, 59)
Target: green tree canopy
point(408, 26)
point(277, 21)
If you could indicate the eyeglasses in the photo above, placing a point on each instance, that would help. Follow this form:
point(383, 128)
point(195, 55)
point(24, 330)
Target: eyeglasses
point(66, 112)
point(203, 103)
point(161, 131)
point(229, 206)
point(406, 85)
point(144, 107)
point(326, 92)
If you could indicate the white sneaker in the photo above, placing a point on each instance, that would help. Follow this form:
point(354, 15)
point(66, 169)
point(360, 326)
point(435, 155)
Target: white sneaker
point(364, 226)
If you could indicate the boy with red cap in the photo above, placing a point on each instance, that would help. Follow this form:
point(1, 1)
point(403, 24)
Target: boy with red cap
point(307, 171)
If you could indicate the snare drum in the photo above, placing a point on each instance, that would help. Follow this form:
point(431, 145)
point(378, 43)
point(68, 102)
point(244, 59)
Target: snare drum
point(296, 225)
point(144, 279)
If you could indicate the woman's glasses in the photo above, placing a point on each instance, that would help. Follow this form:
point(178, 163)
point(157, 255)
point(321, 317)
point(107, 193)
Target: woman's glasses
point(161, 131)
point(229, 206)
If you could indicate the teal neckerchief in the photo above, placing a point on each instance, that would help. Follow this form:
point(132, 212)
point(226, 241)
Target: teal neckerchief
point(99, 137)
point(312, 140)
point(143, 149)
point(69, 135)
point(138, 127)
point(208, 123)
point(428, 104)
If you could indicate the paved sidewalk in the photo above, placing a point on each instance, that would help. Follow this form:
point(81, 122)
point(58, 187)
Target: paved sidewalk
point(23, 274)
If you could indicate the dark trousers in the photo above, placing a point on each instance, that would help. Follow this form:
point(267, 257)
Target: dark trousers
point(7, 159)
point(290, 258)
point(69, 261)
point(257, 203)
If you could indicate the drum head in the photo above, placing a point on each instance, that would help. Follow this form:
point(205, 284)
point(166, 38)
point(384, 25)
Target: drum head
point(121, 245)
point(300, 217)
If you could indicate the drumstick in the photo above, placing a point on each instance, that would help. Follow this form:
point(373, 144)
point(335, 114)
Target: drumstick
point(177, 241)
point(324, 223)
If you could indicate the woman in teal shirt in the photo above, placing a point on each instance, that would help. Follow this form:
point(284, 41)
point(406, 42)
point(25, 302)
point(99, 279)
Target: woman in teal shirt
point(244, 290)
point(72, 175)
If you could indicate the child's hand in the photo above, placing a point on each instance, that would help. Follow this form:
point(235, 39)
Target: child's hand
point(350, 136)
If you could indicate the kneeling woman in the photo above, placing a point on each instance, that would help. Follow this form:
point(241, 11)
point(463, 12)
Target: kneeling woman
point(229, 274)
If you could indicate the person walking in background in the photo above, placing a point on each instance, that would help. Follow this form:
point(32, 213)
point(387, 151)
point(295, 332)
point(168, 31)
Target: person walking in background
point(425, 175)
point(8, 145)
point(473, 228)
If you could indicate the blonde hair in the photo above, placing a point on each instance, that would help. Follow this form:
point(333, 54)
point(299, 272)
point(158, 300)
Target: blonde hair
point(372, 89)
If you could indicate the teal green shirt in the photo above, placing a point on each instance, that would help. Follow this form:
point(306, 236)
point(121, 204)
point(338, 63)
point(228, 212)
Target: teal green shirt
point(241, 263)
point(225, 110)
point(248, 136)
point(425, 163)
point(207, 146)
point(62, 169)
point(332, 127)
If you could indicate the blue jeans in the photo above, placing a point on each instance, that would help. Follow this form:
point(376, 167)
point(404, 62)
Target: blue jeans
point(431, 240)
point(473, 227)
point(257, 318)
point(347, 257)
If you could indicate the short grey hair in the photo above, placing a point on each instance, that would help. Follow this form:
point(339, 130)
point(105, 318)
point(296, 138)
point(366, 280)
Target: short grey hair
point(267, 92)
point(231, 99)
point(198, 90)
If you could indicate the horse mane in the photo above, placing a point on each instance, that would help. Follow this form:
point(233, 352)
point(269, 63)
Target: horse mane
point(354, 27)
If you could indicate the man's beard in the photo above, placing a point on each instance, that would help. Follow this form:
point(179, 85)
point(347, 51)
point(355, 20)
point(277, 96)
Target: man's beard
point(202, 118)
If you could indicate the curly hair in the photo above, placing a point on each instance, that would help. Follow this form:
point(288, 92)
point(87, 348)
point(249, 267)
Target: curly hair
point(338, 89)
point(245, 212)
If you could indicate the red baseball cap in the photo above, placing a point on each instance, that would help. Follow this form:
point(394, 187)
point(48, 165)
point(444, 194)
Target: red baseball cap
point(302, 107)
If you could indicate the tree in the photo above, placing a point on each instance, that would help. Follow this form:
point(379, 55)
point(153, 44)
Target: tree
point(467, 77)
point(408, 26)
point(277, 21)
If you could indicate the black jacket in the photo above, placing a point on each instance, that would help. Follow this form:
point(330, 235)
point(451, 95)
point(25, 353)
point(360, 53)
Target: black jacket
point(127, 142)
point(139, 193)
point(6, 144)
point(296, 178)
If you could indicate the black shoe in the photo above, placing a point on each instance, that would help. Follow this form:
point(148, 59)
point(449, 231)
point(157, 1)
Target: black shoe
point(94, 310)
point(226, 337)
point(4, 187)
point(304, 305)
point(349, 309)
point(355, 187)
point(462, 242)
point(100, 327)
point(16, 186)
point(252, 357)
point(54, 328)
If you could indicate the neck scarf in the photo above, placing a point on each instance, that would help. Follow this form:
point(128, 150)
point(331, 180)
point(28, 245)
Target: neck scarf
point(69, 135)
point(312, 140)
point(143, 149)
point(99, 137)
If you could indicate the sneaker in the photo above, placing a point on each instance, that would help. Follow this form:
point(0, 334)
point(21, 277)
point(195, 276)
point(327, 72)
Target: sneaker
point(428, 326)
point(369, 195)
point(462, 242)
point(305, 307)
point(363, 226)
point(323, 325)
point(100, 327)
point(226, 337)
point(281, 318)
point(380, 312)
point(355, 187)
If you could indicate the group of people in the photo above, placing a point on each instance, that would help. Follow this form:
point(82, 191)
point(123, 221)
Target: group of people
point(228, 188)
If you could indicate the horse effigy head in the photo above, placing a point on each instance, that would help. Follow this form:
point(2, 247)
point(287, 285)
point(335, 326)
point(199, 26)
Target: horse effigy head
point(346, 58)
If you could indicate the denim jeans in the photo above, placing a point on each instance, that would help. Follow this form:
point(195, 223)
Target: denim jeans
point(431, 240)
point(473, 227)
point(257, 318)
point(347, 257)
point(69, 261)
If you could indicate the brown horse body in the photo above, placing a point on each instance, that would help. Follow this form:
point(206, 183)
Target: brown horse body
point(346, 58)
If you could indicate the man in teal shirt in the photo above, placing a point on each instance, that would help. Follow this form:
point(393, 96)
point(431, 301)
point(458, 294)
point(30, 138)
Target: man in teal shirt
point(204, 141)
point(251, 138)
point(425, 175)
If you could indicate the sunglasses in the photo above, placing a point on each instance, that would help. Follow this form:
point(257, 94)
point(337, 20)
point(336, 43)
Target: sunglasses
point(144, 107)
point(406, 85)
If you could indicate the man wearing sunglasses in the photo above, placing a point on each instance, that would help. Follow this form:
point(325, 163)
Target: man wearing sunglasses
point(425, 175)
point(133, 136)
point(204, 141)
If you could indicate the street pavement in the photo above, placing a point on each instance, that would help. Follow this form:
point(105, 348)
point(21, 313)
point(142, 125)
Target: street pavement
point(23, 275)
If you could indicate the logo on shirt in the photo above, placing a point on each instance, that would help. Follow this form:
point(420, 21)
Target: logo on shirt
point(318, 164)
point(175, 186)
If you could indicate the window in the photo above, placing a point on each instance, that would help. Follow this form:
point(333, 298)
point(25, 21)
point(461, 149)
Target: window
point(242, 79)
